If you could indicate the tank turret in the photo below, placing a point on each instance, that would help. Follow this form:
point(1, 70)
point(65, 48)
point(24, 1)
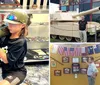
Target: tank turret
point(87, 12)
point(71, 16)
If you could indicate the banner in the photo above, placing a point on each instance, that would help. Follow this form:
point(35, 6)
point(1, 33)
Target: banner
point(72, 52)
point(60, 50)
point(90, 50)
point(54, 49)
point(66, 51)
point(85, 1)
point(78, 52)
point(73, 2)
point(95, 0)
point(96, 48)
point(84, 51)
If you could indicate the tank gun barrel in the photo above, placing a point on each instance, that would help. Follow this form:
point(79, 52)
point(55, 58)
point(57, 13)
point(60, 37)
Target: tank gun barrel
point(87, 12)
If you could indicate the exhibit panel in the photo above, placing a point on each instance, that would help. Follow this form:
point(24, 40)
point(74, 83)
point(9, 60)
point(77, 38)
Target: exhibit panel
point(69, 67)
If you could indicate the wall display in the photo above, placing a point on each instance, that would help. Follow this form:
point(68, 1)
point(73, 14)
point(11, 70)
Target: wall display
point(84, 59)
point(65, 59)
point(85, 1)
point(75, 68)
point(83, 70)
point(75, 60)
point(53, 63)
point(73, 2)
point(66, 70)
point(95, 0)
point(57, 72)
point(64, 2)
point(8, 1)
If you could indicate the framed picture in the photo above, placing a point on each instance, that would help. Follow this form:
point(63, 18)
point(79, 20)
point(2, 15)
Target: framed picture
point(64, 2)
point(57, 72)
point(53, 63)
point(83, 70)
point(66, 70)
point(84, 59)
point(65, 59)
point(75, 60)
point(9, 4)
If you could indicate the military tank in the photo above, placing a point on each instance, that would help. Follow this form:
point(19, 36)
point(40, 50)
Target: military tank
point(64, 25)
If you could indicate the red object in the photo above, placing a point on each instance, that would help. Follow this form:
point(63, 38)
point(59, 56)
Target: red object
point(2, 15)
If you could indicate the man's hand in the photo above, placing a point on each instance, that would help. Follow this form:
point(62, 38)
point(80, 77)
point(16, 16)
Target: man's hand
point(94, 75)
point(86, 62)
point(1, 52)
point(3, 56)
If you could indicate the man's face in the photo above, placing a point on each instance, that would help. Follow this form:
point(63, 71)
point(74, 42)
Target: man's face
point(83, 18)
point(90, 61)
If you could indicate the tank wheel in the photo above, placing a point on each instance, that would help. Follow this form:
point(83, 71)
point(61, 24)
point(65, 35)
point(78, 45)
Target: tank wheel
point(68, 38)
point(98, 34)
point(53, 36)
point(77, 39)
point(61, 37)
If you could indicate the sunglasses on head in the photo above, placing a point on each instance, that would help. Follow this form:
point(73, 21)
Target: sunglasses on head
point(13, 18)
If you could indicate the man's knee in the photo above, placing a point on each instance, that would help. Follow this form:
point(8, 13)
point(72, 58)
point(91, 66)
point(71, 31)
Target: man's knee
point(4, 82)
point(13, 80)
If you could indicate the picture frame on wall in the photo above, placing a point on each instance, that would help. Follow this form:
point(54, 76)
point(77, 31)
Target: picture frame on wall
point(75, 60)
point(57, 72)
point(65, 59)
point(9, 4)
point(83, 70)
point(83, 59)
point(53, 63)
point(66, 70)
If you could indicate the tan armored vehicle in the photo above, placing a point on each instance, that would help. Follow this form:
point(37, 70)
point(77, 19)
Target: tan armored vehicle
point(65, 24)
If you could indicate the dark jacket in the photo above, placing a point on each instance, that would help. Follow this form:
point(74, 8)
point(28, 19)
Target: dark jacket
point(17, 49)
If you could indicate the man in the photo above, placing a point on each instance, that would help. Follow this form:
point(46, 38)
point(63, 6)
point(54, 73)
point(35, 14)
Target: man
point(83, 29)
point(91, 71)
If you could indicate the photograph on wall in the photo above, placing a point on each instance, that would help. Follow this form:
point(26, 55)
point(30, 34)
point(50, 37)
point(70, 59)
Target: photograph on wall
point(53, 63)
point(57, 72)
point(75, 60)
point(83, 70)
point(84, 59)
point(65, 59)
point(66, 70)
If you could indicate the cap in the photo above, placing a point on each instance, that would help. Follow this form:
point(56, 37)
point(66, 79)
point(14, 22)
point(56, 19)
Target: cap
point(17, 16)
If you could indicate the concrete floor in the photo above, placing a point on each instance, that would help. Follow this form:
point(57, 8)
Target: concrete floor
point(37, 74)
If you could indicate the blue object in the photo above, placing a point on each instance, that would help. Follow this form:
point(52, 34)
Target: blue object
point(97, 49)
point(90, 50)
point(64, 8)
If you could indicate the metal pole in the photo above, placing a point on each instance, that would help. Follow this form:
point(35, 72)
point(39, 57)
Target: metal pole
point(95, 34)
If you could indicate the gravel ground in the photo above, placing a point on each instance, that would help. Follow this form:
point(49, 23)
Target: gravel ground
point(37, 74)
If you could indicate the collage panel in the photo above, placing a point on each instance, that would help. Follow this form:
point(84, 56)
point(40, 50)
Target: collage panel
point(75, 20)
point(74, 64)
point(24, 42)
